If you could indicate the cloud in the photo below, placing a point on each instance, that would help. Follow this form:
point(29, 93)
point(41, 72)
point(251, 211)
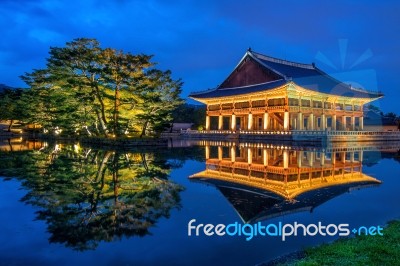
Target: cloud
point(201, 41)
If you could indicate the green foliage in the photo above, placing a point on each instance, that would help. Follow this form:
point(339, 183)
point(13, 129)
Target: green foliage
point(11, 106)
point(361, 250)
point(158, 100)
point(87, 196)
point(374, 108)
point(186, 113)
point(86, 89)
point(391, 115)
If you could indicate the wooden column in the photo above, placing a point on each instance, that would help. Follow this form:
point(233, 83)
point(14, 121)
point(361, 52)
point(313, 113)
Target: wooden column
point(207, 148)
point(323, 122)
point(266, 121)
point(250, 122)
point(265, 157)
point(220, 122)
point(249, 156)
point(361, 122)
point(220, 153)
point(353, 123)
point(233, 122)
point(300, 121)
point(286, 120)
point(311, 122)
point(207, 122)
point(334, 122)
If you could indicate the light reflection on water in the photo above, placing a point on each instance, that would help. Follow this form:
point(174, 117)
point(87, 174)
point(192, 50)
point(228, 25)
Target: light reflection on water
point(132, 207)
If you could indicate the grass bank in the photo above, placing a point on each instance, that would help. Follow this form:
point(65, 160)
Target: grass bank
point(360, 250)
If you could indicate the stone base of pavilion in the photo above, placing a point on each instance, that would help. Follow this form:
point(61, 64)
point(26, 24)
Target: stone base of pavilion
point(317, 136)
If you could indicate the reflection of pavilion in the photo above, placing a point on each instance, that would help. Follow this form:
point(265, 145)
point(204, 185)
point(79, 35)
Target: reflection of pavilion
point(263, 183)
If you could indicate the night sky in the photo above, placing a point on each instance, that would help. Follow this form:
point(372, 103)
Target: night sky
point(202, 41)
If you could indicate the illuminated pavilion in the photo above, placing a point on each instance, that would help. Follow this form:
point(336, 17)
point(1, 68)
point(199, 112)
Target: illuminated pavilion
point(266, 93)
point(266, 182)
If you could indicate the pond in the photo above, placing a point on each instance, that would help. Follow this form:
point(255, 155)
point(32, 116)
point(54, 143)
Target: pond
point(66, 203)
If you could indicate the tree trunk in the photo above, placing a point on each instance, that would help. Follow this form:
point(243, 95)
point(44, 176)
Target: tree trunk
point(144, 128)
point(116, 111)
point(102, 168)
point(103, 125)
point(10, 125)
point(115, 176)
point(103, 112)
point(9, 144)
point(144, 161)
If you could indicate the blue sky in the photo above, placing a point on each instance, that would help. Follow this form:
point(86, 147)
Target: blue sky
point(202, 41)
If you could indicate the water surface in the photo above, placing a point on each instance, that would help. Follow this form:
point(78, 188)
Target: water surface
point(70, 204)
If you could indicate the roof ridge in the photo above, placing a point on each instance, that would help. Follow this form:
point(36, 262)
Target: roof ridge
point(246, 86)
point(203, 91)
point(282, 61)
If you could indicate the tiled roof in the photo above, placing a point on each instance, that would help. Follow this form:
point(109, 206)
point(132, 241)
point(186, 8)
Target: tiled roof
point(305, 75)
point(239, 90)
point(310, 77)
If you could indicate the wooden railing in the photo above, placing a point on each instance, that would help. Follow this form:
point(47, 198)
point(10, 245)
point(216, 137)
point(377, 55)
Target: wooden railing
point(297, 132)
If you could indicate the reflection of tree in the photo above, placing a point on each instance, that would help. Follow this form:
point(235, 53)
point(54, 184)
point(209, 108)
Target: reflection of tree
point(89, 196)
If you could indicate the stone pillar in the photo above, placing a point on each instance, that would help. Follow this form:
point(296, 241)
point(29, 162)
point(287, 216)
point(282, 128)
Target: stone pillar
point(334, 122)
point(333, 158)
point(286, 121)
point(250, 122)
point(323, 122)
point(233, 154)
point(360, 156)
point(361, 122)
point(265, 157)
point(299, 158)
point(322, 158)
point(343, 122)
point(300, 121)
point(294, 123)
point(353, 123)
point(207, 148)
point(207, 122)
point(311, 122)
point(220, 122)
point(352, 156)
point(233, 122)
point(311, 158)
point(285, 159)
point(343, 157)
point(249, 156)
point(266, 121)
point(220, 153)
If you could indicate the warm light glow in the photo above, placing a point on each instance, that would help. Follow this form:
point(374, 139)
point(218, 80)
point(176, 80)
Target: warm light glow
point(286, 121)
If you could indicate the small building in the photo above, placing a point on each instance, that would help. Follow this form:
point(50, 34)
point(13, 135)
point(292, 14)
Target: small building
point(178, 127)
point(376, 122)
point(266, 93)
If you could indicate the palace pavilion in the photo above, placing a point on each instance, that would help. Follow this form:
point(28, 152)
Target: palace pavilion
point(266, 93)
point(260, 180)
